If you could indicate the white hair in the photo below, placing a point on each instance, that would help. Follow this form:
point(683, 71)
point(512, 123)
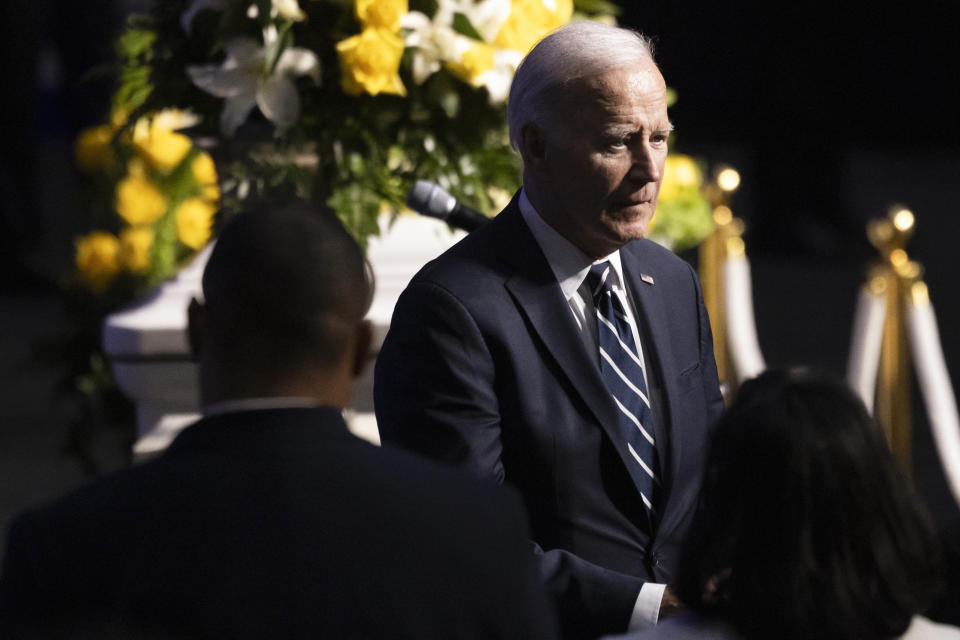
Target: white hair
point(575, 50)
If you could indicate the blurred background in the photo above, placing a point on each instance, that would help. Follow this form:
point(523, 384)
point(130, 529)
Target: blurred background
point(831, 112)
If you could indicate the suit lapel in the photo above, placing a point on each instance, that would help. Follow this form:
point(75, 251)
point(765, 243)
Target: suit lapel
point(536, 292)
point(651, 308)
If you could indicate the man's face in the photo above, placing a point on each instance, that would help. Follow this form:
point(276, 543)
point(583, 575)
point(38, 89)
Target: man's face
point(596, 171)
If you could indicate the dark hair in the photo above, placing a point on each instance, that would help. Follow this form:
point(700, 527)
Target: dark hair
point(285, 286)
point(806, 528)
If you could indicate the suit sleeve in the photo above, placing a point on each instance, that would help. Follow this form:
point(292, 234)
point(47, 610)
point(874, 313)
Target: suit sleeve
point(434, 394)
point(433, 383)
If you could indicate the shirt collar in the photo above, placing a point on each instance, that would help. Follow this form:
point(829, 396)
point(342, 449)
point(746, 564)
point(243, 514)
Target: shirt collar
point(251, 404)
point(570, 265)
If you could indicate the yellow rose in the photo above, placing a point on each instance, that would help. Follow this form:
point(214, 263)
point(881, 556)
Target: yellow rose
point(92, 148)
point(135, 249)
point(97, 260)
point(139, 201)
point(205, 173)
point(162, 147)
point(680, 173)
point(530, 20)
point(194, 222)
point(384, 14)
point(474, 62)
point(370, 62)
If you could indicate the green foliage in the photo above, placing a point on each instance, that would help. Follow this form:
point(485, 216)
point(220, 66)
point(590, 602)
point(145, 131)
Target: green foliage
point(461, 24)
point(682, 222)
point(134, 47)
point(602, 7)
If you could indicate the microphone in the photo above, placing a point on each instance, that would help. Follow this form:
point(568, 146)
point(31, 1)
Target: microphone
point(430, 199)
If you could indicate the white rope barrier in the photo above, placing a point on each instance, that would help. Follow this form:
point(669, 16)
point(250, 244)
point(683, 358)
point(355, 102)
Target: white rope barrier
point(865, 344)
point(935, 386)
point(741, 326)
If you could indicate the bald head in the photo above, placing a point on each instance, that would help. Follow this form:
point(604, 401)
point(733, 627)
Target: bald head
point(285, 291)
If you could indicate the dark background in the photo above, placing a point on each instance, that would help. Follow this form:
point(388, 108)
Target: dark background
point(831, 112)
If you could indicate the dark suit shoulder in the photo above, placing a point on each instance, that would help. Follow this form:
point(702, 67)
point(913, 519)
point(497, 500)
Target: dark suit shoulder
point(337, 534)
point(490, 253)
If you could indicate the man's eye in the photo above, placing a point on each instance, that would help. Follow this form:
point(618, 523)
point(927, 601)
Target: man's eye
point(617, 143)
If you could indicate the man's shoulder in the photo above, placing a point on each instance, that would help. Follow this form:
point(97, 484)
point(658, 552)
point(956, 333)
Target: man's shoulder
point(485, 254)
point(84, 518)
point(196, 478)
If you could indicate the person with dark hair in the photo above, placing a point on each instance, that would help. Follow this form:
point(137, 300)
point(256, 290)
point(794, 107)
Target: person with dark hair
point(806, 528)
point(268, 518)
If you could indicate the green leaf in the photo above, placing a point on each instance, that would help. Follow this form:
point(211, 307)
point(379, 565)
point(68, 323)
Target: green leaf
point(596, 6)
point(461, 24)
point(134, 42)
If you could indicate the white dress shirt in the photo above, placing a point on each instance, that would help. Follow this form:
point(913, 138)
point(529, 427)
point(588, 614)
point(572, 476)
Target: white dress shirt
point(570, 266)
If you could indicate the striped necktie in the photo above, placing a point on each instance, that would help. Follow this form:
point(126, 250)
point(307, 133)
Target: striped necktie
point(622, 371)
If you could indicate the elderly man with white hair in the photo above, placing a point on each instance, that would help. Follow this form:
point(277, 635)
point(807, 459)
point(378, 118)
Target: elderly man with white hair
point(558, 350)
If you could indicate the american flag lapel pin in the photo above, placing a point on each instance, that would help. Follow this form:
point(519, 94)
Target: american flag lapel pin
point(646, 278)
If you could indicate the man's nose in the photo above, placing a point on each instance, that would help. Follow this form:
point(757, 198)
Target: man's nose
point(645, 167)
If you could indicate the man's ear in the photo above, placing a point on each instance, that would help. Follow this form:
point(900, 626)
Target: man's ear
point(364, 337)
point(533, 145)
point(196, 325)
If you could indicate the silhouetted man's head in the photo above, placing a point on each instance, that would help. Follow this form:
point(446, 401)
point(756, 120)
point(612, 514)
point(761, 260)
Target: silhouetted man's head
point(285, 290)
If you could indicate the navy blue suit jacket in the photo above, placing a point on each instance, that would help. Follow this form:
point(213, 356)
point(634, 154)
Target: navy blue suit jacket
point(275, 524)
point(483, 367)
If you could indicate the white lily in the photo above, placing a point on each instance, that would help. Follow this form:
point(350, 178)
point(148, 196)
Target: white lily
point(486, 16)
point(498, 80)
point(483, 65)
point(288, 9)
point(244, 81)
point(432, 42)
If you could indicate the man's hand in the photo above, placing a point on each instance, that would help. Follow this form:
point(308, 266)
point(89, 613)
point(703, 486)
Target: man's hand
point(669, 605)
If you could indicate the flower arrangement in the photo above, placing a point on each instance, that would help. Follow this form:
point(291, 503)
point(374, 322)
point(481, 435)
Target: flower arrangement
point(347, 102)
point(153, 196)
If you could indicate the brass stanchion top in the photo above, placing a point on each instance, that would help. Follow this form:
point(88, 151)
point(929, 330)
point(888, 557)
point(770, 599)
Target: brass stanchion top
point(736, 247)
point(877, 285)
point(722, 215)
point(718, 191)
point(890, 235)
point(919, 295)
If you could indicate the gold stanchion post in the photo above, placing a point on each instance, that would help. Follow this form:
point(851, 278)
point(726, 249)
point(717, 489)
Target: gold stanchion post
point(894, 275)
point(712, 254)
